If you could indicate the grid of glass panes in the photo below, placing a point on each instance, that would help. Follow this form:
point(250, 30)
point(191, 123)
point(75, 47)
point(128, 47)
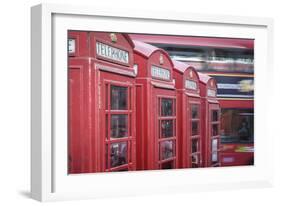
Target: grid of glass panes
point(195, 155)
point(118, 121)
point(167, 132)
point(215, 137)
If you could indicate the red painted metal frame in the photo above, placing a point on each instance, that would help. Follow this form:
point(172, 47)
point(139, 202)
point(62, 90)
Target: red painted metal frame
point(87, 107)
point(149, 93)
point(208, 104)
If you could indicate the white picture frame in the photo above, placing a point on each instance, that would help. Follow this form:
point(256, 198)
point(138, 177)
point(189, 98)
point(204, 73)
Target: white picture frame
point(49, 179)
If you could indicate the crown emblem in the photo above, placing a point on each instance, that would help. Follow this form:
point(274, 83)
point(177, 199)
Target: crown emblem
point(113, 37)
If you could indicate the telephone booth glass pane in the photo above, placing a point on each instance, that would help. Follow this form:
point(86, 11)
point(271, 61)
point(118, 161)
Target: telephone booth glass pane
point(194, 111)
point(214, 157)
point(215, 130)
point(118, 98)
point(194, 145)
point(119, 125)
point(166, 107)
point(166, 149)
point(215, 115)
point(194, 160)
point(214, 150)
point(167, 128)
point(214, 145)
point(195, 129)
point(118, 154)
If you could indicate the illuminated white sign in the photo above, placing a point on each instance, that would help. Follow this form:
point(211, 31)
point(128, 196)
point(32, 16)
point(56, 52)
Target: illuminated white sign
point(189, 84)
point(160, 73)
point(71, 45)
point(112, 53)
point(211, 93)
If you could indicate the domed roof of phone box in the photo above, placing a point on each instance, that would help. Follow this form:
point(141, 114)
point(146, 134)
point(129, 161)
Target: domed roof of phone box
point(147, 50)
point(183, 66)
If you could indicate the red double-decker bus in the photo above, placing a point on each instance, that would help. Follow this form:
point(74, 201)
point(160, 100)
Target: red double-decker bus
point(231, 62)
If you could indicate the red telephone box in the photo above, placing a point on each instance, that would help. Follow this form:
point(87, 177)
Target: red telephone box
point(101, 102)
point(210, 113)
point(189, 118)
point(156, 108)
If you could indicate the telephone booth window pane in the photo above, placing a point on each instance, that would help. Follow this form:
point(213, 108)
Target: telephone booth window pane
point(214, 157)
point(215, 115)
point(195, 128)
point(194, 160)
point(118, 98)
point(118, 154)
point(166, 149)
point(215, 130)
point(167, 107)
point(168, 165)
point(167, 128)
point(119, 125)
point(195, 111)
point(214, 145)
point(194, 145)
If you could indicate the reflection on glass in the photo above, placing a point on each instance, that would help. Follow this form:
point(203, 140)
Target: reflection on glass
point(194, 145)
point(195, 111)
point(195, 129)
point(167, 165)
point(118, 154)
point(166, 107)
point(215, 115)
point(237, 126)
point(166, 149)
point(118, 98)
point(194, 160)
point(214, 145)
point(167, 128)
point(215, 129)
point(214, 157)
point(119, 127)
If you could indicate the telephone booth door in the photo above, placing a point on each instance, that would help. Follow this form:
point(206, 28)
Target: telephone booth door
point(101, 102)
point(214, 141)
point(118, 117)
point(165, 145)
point(195, 135)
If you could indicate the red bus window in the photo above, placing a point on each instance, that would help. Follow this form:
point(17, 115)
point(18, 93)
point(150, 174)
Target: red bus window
point(167, 132)
point(237, 126)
